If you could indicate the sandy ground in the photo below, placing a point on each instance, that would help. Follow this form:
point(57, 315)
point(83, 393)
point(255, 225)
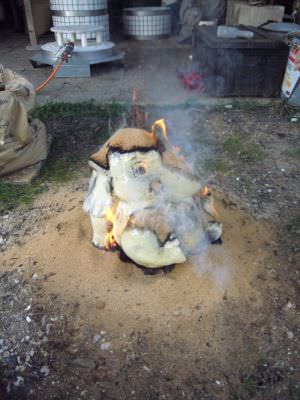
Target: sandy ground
point(184, 309)
point(78, 323)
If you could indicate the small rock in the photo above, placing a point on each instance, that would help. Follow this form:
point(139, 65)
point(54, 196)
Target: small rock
point(84, 363)
point(19, 381)
point(100, 304)
point(85, 330)
point(105, 346)
point(294, 119)
point(45, 370)
point(2, 241)
point(96, 338)
point(290, 335)
point(35, 277)
point(28, 319)
point(289, 305)
point(228, 106)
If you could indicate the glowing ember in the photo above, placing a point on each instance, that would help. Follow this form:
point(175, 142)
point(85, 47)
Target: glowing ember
point(204, 192)
point(110, 242)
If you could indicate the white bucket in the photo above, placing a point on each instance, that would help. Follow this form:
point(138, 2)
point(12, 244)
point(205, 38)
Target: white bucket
point(290, 89)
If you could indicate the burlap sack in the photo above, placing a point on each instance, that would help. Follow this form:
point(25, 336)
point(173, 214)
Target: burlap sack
point(21, 143)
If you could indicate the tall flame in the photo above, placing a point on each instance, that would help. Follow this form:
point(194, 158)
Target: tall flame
point(206, 193)
point(160, 123)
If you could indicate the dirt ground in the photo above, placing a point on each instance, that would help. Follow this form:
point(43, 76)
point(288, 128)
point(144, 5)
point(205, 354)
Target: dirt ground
point(79, 323)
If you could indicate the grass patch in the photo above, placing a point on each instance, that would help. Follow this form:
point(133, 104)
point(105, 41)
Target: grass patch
point(293, 152)
point(217, 166)
point(293, 226)
point(264, 377)
point(70, 148)
point(294, 390)
point(83, 109)
point(239, 147)
point(12, 196)
point(18, 195)
point(249, 383)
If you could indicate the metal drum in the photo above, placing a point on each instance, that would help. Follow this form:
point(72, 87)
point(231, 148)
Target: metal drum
point(146, 23)
point(78, 12)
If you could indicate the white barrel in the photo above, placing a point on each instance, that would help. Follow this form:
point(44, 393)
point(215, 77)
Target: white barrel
point(78, 5)
point(144, 23)
point(81, 12)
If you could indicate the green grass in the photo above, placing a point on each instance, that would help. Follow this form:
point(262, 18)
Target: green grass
point(293, 152)
point(240, 147)
point(294, 390)
point(52, 174)
point(12, 196)
point(217, 166)
point(69, 152)
point(293, 226)
point(250, 384)
point(83, 109)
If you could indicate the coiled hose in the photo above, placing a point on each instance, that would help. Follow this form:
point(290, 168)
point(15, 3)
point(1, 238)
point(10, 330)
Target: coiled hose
point(64, 57)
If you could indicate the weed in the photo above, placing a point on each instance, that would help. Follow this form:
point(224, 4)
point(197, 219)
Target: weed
point(240, 147)
point(294, 390)
point(293, 152)
point(12, 196)
point(234, 144)
point(217, 165)
point(250, 384)
point(293, 226)
point(264, 376)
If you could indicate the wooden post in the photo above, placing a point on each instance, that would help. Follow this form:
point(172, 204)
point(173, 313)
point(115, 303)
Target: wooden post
point(30, 23)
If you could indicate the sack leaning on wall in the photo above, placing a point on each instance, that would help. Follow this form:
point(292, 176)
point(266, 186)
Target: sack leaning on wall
point(22, 142)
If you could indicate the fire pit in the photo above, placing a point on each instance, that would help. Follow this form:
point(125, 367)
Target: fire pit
point(144, 199)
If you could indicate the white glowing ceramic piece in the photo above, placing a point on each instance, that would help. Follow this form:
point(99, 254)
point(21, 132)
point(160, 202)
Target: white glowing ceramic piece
point(99, 197)
point(99, 226)
point(142, 247)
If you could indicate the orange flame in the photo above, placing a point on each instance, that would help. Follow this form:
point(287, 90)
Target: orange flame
point(109, 242)
point(160, 123)
point(204, 192)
